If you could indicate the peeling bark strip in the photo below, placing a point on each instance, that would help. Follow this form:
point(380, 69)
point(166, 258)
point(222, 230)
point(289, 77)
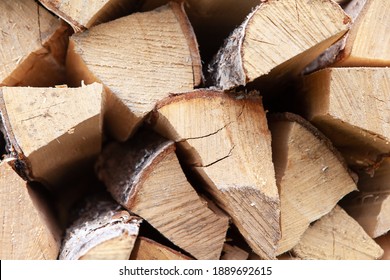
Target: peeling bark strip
point(232, 154)
point(337, 236)
point(156, 51)
point(103, 230)
point(28, 229)
point(33, 50)
point(283, 36)
point(307, 167)
point(144, 175)
point(52, 132)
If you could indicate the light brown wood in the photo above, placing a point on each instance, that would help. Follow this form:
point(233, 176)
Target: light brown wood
point(28, 228)
point(349, 106)
point(384, 242)
point(144, 175)
point(82, 15)
point(368, 42)
point(231, 153)
point(52, 132)
point(231, 252)
point(337, 236)
point(102, 231)
point(156, 51)
point(277, 38)
point(147, 249)
point(32, 45)
point(371, 206)
point(311, 176)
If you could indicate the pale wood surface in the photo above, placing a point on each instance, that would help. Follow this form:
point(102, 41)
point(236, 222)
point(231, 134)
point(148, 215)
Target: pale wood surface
point(28, 228)
point(310, 175)
point(157, 53)
point(285, 34)
point(231, 252)
point(147, 249)
point(102, 231)
point(217, 134)
point(145, 176)
point(337, 236)
point(54, 128)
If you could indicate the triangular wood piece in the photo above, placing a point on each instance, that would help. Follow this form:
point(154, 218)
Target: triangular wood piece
point(337, 236)
point(145, 176)
point(140, 58)
point(277, 38)
point(86, 13)
point(232, 252)
point(32, 45)
point(102, 231)
point(231, 153)
point(52, 132)
point(307, 167)
point(28, 228)
point(384, 242)
point(147, 249)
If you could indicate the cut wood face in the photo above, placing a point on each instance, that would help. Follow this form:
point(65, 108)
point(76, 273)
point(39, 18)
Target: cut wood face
point(232, 155)
point(157, 53)
point(29, 230)
point(307, 167)
point(286, 35)
point(145, 176)
point(53, 129)
point(337, 236)
point(33, 47)
point(102, 231)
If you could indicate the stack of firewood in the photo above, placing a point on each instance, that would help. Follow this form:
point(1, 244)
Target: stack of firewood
point(214, 129)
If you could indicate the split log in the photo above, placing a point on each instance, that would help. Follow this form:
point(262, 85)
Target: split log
point(384, 242)
point(337, 236)
point(103, 230)
point(157, 53)
point(349, 105)
point(231, 252)
point(147, 249)
point(368, 42)
point(231, 153)
point(278, 38)
point(82, 15)
point(145, 176)
point(307, 168)
point(32, 45)
point(371, 206)
point(52, 132)
point(29, 229)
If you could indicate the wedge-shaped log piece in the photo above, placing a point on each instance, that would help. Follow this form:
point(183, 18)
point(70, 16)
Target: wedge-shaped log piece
point(349, 105)
point(52, 132)
point(337, 236)
point(140, 58)
point(307, 167)
point(147, 249)
point(384, 242)
point(103, 230)
point(227, 142)
point(83, 14)
point(368, 43)
point(28, 228)
point(144, 175)
point(282, 36)
point(232, 252)
point(371, 206)
point(33, 47)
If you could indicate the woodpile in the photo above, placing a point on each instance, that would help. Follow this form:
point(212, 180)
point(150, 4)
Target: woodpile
point(179, 130)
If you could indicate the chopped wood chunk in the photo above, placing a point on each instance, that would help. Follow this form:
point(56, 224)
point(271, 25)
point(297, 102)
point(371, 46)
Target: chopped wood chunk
point(147, 249)
point(231, 252)
point(307, 168)
point(140, 58)
point(28, 227)
point(52, 132)
point(231, 153)
point(144, 175)
point(337, 236)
